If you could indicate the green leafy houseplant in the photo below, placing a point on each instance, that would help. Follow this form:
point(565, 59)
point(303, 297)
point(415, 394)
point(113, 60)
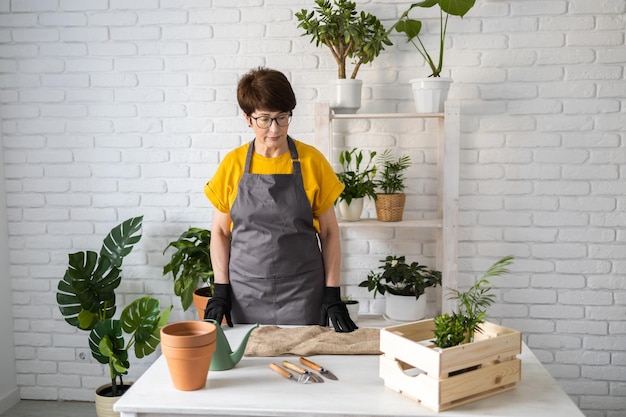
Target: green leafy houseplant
point(459, 327)
point(357, 175)
point(399, 278)
point(87, 300)
point(190, 263)
point(346, 32)
point(412, 28)
point(391, 172)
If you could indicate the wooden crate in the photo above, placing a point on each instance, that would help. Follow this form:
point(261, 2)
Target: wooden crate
point(445, 378)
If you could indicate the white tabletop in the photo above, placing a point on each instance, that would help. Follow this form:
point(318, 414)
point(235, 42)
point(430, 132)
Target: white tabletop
point(252, 389)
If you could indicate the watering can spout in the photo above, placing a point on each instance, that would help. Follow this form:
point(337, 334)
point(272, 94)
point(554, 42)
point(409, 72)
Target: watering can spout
point(224, 358)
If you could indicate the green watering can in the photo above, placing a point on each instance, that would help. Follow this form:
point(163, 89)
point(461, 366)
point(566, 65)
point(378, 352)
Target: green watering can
point(224, 358)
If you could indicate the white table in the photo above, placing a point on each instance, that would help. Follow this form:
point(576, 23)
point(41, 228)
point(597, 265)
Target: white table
point(252, 389)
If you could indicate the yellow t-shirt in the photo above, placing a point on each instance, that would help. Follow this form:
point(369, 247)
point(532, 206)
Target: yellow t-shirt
point(321, 185)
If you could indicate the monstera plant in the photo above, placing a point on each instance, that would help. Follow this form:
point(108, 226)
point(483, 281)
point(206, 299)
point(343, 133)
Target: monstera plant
point(87, 300)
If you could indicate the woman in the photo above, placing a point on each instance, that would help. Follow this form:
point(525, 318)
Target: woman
point(275, 244)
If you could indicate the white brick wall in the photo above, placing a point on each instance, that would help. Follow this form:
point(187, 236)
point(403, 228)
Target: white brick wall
point(112, 109)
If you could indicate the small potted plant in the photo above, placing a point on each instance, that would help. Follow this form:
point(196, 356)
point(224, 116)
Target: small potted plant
point(357, 176)
point(348, 34)
point(431, 93)
point(87, 300)
point(465, 349)
point(353, 307)
point(190, 265)
point(403, 286)
point(460, 327)
point(390, 202)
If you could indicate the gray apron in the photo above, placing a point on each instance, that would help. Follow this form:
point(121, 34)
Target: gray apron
point(276, 269)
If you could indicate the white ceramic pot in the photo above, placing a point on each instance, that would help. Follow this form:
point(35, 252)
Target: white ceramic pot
point(353, 211)
point(430, 94)
point(346, 95)
point(104, 404)
point(404, 308)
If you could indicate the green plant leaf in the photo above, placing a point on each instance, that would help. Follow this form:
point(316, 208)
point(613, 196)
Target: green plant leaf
point(142, 320)
point(106, 342)
point(456, 7)
point(121, 239)
point(190, 263)
point(86, 293)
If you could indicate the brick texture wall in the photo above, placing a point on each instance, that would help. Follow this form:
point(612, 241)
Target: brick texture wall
point(112, 109)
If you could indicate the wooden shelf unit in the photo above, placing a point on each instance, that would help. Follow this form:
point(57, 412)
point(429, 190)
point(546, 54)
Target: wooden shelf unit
point(446, 222)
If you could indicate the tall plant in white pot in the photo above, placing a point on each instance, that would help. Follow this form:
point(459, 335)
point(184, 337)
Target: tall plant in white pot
point(431, 93)
point(348, 34)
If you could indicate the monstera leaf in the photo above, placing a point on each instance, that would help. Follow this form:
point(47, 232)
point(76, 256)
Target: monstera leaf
point(120, 240)
point(143, 320)
point(106, 342)
point(86, 293)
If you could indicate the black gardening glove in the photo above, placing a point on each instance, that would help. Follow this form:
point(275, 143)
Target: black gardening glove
point(335, 310)
point(219, 305)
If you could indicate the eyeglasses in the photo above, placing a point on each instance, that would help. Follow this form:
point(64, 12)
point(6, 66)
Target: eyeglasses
point(265, 122)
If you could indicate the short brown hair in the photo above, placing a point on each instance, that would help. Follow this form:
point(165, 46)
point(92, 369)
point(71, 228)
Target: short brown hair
point(265, 89)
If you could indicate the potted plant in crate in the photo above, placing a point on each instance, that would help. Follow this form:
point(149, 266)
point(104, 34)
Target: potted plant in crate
point(348, 34)
point(357, 177)
point(87, 300)
point(390, 203)
point(461, 327)
point(190, 265)
point(431, 93)
point(467, 360)
point(403, 286)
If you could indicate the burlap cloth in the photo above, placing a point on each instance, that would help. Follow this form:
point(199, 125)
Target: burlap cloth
point(311, 340)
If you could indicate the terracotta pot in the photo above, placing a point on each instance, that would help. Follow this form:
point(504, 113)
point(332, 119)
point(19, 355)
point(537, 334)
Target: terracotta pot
point(188, 347)
point(200, 297)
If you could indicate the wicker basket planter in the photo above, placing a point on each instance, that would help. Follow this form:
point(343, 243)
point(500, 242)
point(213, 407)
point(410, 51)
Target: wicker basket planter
point(445, 378)
point(390, 207)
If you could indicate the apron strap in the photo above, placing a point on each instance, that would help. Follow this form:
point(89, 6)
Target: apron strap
point(295, 159)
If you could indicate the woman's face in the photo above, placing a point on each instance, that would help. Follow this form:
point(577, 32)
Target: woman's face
point(270, 129)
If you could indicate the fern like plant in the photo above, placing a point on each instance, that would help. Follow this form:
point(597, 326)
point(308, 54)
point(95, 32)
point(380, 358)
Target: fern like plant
point(457, 328)
point(392, 172)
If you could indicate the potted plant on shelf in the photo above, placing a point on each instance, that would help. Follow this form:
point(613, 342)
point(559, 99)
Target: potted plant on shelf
point(87, 300)
point(390, 202)
point(403, 286)
point(348, 34)
point(357, 177)
point(190, 265)
point(431, 93)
